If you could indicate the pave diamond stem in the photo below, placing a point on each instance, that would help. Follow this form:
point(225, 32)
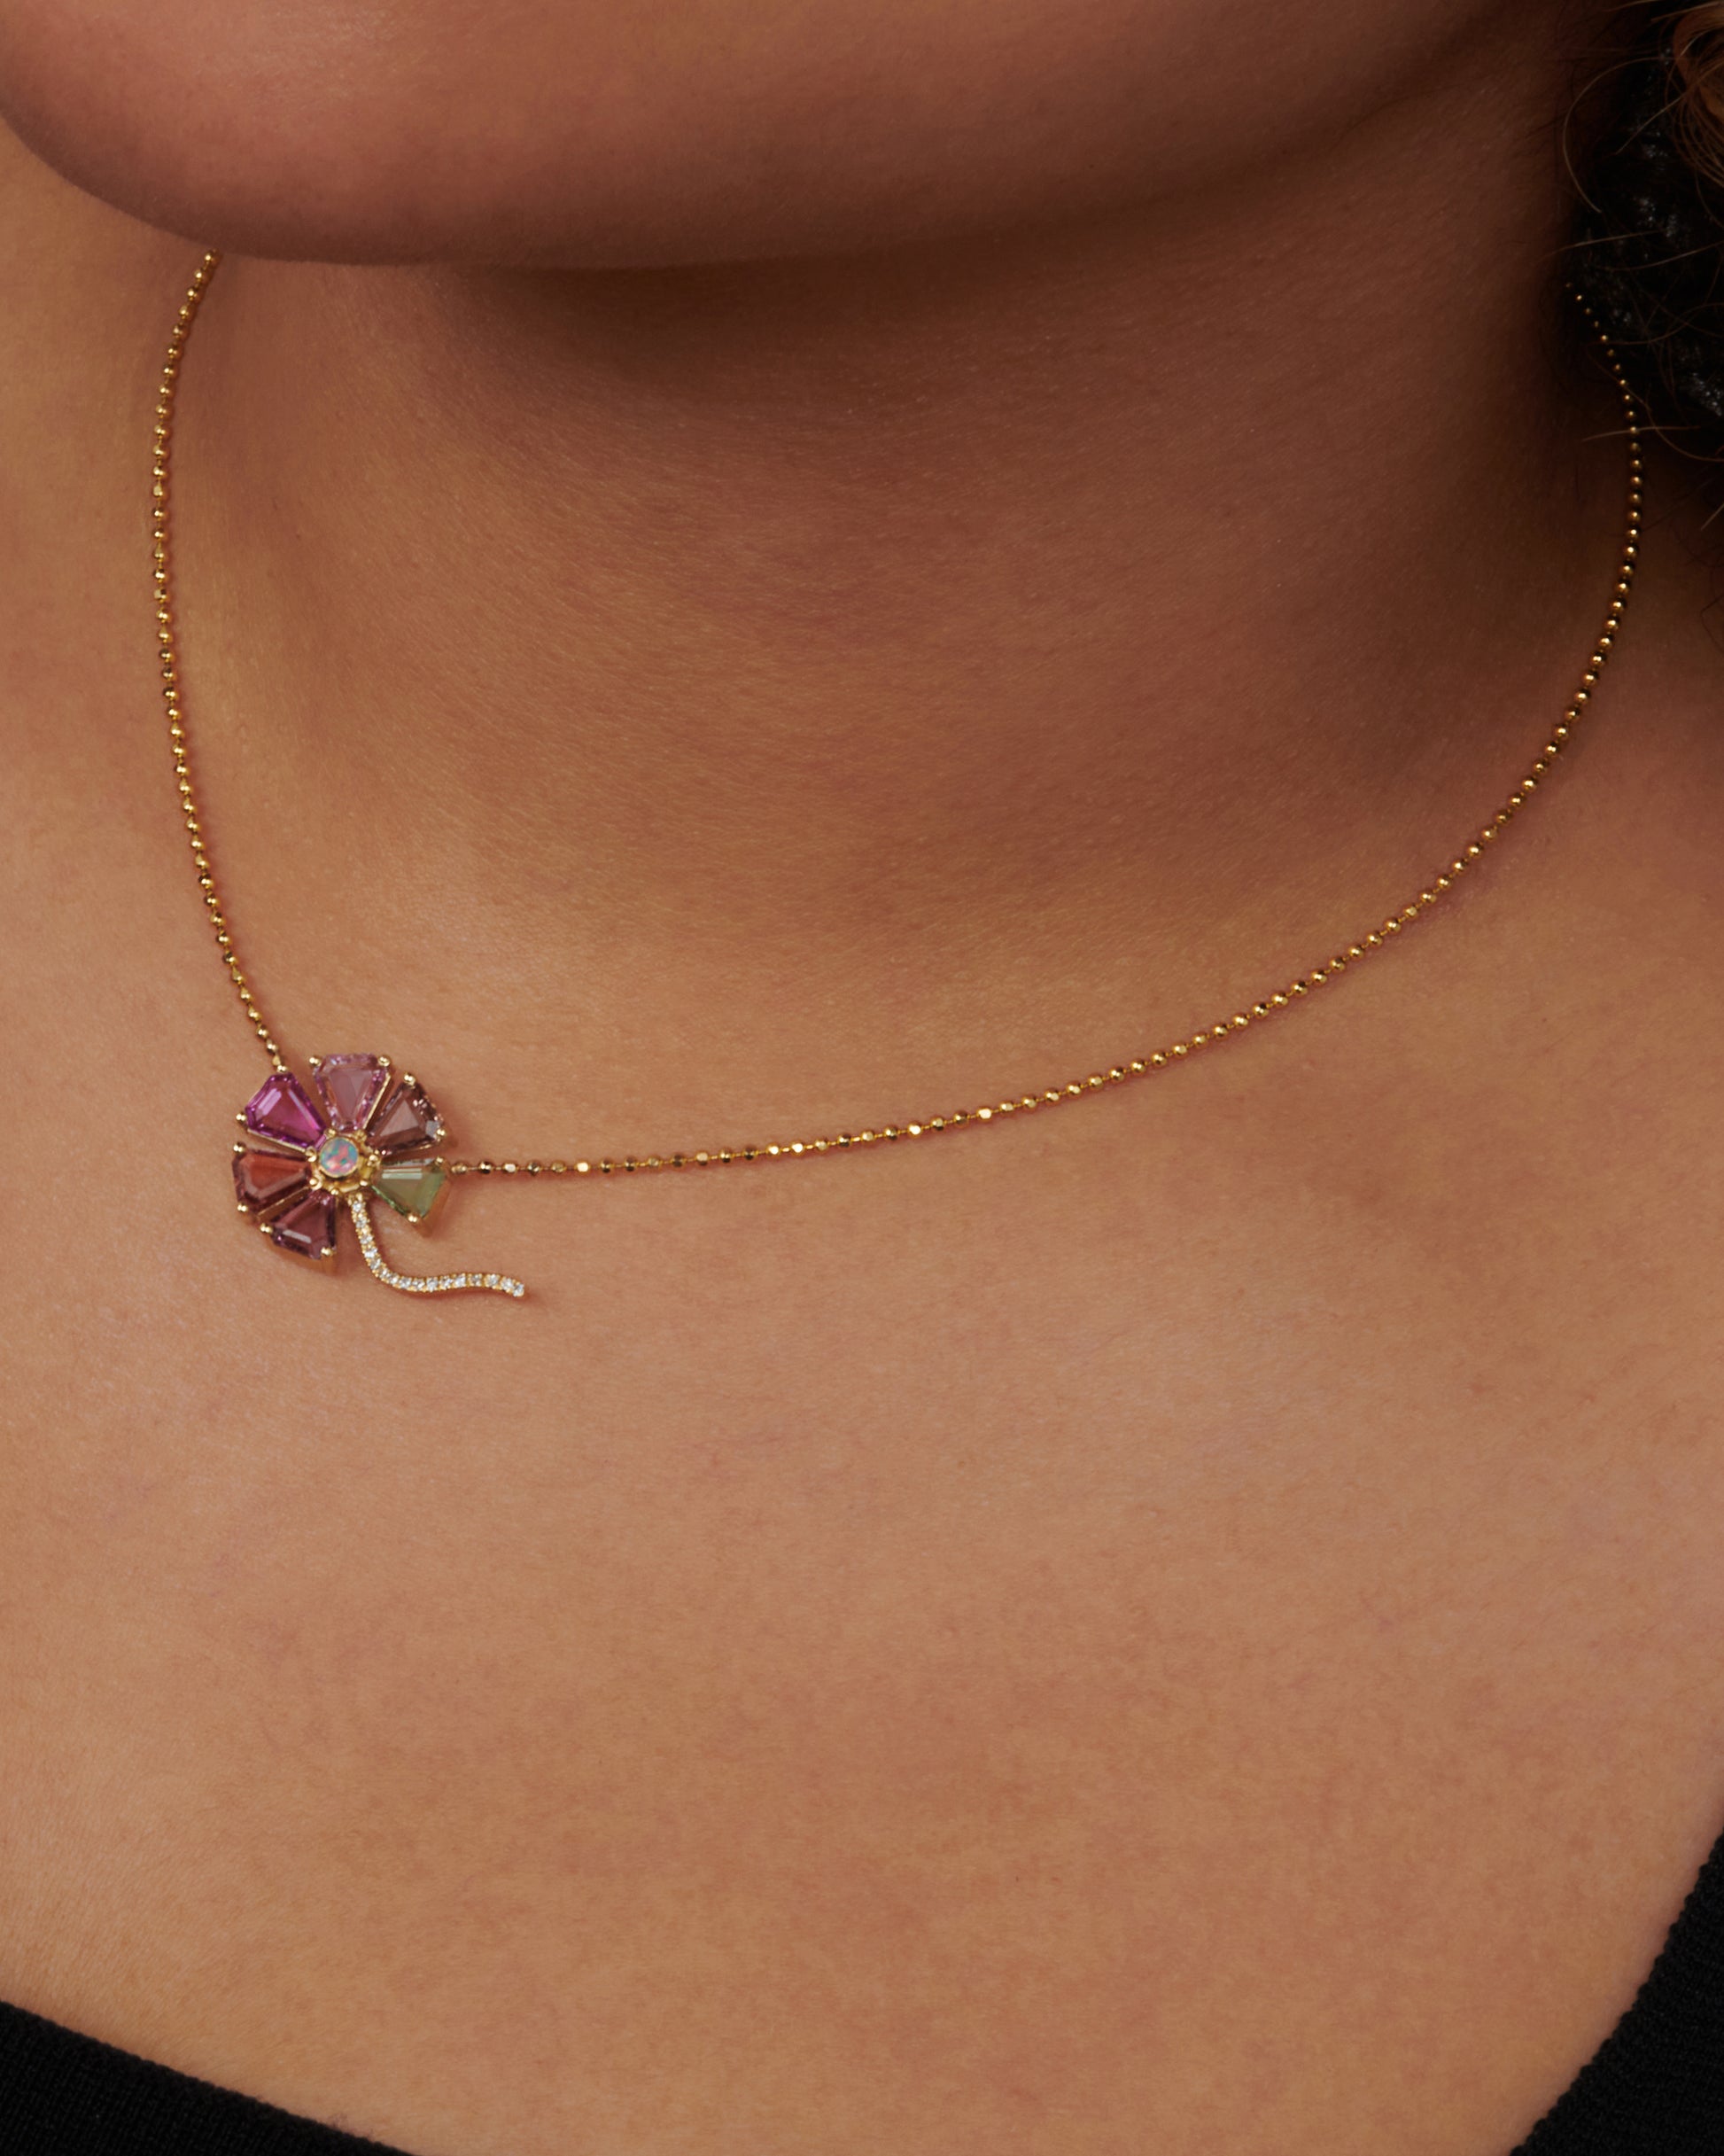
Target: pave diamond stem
point(419, 1283)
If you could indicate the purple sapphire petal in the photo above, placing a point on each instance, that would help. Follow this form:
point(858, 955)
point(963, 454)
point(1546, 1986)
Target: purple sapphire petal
point(406, 1119)
point(280, 1108)
point(307, 1229)
point(351, 1087)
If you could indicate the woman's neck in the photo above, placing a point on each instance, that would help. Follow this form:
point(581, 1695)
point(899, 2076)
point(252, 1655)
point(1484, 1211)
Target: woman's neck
point(1135, 582)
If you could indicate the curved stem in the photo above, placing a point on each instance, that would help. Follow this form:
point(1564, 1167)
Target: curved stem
point(419, 1283)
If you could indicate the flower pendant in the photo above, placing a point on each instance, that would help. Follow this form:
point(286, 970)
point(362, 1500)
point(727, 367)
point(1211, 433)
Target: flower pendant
point(365, 1134)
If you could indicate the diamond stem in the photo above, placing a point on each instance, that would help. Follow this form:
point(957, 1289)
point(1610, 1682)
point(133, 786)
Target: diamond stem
point(420, 1283)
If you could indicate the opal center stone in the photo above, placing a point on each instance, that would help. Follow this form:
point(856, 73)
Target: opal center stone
point(338, 1156)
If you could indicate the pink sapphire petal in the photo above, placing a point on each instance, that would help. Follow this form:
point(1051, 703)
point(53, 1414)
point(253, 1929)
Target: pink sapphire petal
point(265, 1179)
point(280, 1108)
point(351, 1087)
point(307, 1229)
point(406, 1119)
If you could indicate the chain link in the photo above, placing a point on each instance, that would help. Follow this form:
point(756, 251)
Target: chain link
point(1282, 999)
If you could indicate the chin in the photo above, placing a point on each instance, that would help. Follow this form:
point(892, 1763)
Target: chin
point(589, 133)
point(339, 132)
point(580, 133)
point(240, 144)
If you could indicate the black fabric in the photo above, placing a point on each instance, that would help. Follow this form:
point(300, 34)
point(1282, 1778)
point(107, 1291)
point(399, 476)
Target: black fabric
point(1656, 2085)
point(1655, 2088)
point(63, 2095)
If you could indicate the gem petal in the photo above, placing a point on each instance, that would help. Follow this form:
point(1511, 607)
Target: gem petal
point(351, 1087)
point(262, 1179)
point(412, 1186)
point(406, 1121)
point(281, 1109)
point(307, 1229)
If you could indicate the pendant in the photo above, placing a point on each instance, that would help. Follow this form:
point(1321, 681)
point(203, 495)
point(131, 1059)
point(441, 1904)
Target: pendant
point(359, 1133)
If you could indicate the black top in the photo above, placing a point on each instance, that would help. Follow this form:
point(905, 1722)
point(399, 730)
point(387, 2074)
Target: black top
point(1656, 2088)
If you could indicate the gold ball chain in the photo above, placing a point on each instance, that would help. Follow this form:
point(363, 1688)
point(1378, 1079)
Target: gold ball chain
point(168, 650)
point(960, 1118)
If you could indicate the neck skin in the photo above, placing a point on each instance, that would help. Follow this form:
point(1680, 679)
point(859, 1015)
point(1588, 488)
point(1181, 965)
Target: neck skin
point(895, 672)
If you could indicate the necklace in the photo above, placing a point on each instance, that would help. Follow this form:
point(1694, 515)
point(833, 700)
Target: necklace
point(362, 1132)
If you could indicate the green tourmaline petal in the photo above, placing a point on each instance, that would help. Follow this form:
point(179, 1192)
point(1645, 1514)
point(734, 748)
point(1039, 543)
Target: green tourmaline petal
point(411, 1186)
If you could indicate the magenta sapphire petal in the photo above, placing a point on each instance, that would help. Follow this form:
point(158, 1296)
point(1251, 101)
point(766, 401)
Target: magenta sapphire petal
point(280, 1108)
point(307, 1229)
point(351, 1087)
